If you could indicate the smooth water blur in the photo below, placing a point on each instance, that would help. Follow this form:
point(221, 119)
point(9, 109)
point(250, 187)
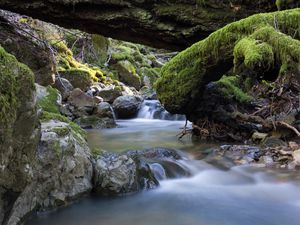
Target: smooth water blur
point(240, 196)
point(152, 109)
point(211, 196)
point(140, 134)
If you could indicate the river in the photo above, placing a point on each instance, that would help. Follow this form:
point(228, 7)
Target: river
point(241, 195)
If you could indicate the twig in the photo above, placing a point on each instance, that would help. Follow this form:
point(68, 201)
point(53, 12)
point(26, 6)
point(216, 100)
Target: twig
point(284, 124)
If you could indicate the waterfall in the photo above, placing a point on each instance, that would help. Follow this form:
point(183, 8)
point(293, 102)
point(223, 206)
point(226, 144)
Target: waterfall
point(152, 109)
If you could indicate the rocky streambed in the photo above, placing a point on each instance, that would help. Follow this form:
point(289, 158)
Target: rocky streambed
point(198, 184)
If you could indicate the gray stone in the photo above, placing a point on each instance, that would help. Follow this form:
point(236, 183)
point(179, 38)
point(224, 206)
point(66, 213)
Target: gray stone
point(104, 109)
point(62, 171)
point(110, 93)
point(127, 106)
point(79, 99)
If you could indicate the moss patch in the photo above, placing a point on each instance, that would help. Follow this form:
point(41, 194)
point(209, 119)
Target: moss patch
point(49, 102)
point(77, 130)
point(231, 88)
point(16, 84)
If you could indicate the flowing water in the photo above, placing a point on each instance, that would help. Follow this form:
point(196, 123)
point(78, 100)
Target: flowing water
point(238, 196)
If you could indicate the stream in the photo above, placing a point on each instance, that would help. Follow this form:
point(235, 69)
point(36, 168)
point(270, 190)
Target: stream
point(242, 195)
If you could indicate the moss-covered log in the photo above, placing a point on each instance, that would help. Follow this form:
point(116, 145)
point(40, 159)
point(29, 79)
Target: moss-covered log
point(258, 44)
point(172, 24)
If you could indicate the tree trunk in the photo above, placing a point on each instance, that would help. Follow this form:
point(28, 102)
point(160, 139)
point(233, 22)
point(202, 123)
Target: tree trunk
point(169, 24)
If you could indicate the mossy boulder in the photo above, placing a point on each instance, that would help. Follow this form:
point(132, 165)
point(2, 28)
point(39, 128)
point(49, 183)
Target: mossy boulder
point(127, 74)
point(19, 131)
point(149, 75)
point(110, 93)
point(79, 78)
point(48, 99)
point(252, 46)
point(27, 49)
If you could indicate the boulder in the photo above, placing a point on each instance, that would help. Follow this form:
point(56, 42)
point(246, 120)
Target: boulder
point(127, 106)
point(127, 74)
point(110, 93)
point(79, 78)
point(79, 99)
point(133, 171)
point(19, 130)
point(64, 86)
point(104, 109)
point(62, 171)
point(27, 49)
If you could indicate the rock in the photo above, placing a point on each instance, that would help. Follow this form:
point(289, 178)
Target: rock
point(259, 137)
point(148, 94)
point(104, 109)
point(79, 78)
point(126, 90)
point(110, 93)
point(19, 130)
point(243, 154)
point(127, 106)
point(27, 49)
point(133, 171)
point(64, 86)
point(48, 99)
point(62, 171)
point(148, 20)
point(95, 122)
point(79, 99)
point(127, 74)
point(115, 174)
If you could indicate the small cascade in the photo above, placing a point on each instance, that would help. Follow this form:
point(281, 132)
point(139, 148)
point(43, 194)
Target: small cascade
point(152, 109)
point(113, 113)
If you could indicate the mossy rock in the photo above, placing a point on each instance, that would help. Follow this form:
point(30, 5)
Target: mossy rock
point(95, 122)
point(233, 88)
point(47, 116)
point(16, 87)
point(79, 78)
point(149, 75)
point(127, 74)
point(252, 43)
point(50, 102)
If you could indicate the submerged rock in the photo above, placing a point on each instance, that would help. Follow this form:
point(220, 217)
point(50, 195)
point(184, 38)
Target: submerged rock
point(127, 106)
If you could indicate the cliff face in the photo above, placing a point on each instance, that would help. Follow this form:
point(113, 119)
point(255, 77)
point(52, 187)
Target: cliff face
point(172, 24)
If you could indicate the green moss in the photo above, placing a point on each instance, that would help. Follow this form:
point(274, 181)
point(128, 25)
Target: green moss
point(77, 130)
point(152, 73)
point(16, 84)
point(56, 148)
point(49, 102)
point(46, 116)
point(230, 86)
point(254, 54)
point(61, 131)
point(183, 78)
point(96, 152)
